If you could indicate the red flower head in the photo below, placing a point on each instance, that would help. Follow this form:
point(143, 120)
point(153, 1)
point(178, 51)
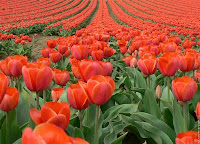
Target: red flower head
point(10, 100)
point(56, 93)
point(77, 96)
point(184, 88)
point(51, 43)
point(100, 89)
point(37, 76)
point(52, 112)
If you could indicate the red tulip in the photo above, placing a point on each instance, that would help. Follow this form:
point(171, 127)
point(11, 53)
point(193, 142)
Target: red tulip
point(198, 111)
point(46, 51)
point(147, 64)
point(122, 43)
point(187, 44)
point(55, 56)
point(186, 62)
point(89, 68)
point(77, 96)
point(128, 59)
point(3, 85)
point(45, 61)
point(100, 89)
point(189, 137)
point(61, 77)
point(52, 112)
point(123, 49)
point(80, 51)
point(168, 47)
point(108, 52)
point(15, 64)
point(133, 62)
point(10, 99)
point(107, 66)
point(168, 64)
point(197, 76)
point(56, 93)
point(37, 76)
point(4, 67)
point(51, 43)
point(97, 55)
point(48, 134)
point(62, 49)
point(184, 88)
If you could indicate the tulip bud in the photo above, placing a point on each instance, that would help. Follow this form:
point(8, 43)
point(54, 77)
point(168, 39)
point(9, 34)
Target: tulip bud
point(133, 62)
point(158, 92)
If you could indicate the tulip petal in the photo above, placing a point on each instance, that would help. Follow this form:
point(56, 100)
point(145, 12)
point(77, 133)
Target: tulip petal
point(47, 113)
point(29, 137)
point(35, 116)
point(59, 120)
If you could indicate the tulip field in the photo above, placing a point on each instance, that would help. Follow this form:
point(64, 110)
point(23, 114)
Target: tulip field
point(107, 72)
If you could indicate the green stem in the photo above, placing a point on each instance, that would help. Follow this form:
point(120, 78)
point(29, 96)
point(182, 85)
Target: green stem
point(7, 129)
point(18, 84)
point(193, 73)
point(88, 111)
point(149, 81)
point(185, 115)
point(96, 125)
point(184, 73)
point(37, 100)
point(44, 95)
point(81, 119)
point(168, 86)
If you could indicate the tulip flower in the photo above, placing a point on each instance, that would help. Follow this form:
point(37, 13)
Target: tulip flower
point(97, 55)
point(184, 88)
point(46, 51)
point(48, 134)
point(128, 59)
point(100, 89)
point(61, 77)
point(51, 43)
point(197, 76)
point(4, 67)
point(147, 64)
point(107, 66)
point(55, 56)
point(37, 76)
point(198, 111)
point(89, 68)
point(3, 85)
point(77, 96)
point(123, 49)
point(187, 44)
point(45, 61)
point(15, 64)
point(79, 51)
point(52, 112)
point(168, 47)
point(10, 99)
point(108, 52)
point(189, 137)
point(56, 93)
point(168, 64)
point(186, 62)
point(62, 49)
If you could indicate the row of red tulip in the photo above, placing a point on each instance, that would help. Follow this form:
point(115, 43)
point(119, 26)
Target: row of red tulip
point(64, 12)
point(151, 26)
point(77, 19)
point(163, 14)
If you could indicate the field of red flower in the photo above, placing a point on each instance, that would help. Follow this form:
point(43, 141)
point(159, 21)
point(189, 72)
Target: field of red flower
point(115, 72)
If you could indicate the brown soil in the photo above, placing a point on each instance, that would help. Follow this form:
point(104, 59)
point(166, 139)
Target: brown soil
point(38, 44)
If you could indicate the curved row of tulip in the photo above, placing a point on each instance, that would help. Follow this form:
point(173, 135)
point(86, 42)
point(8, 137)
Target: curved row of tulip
point(123, 10)
point(70, 9)
point(79, 20)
